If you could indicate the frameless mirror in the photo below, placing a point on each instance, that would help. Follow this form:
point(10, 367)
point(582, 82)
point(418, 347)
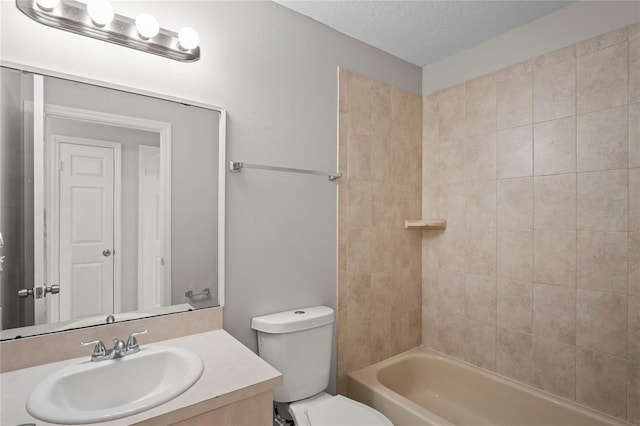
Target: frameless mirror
point(110, 205)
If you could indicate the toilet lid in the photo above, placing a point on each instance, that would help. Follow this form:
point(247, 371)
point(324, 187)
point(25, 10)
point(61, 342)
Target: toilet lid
point(341, 411)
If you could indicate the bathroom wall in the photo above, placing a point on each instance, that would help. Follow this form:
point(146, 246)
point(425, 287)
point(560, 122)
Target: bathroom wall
point(379, 261)
point(276, 73)
point(571, 24)
point(536, 169)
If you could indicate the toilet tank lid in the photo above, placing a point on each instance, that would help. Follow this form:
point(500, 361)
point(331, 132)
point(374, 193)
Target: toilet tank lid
point(291, 321)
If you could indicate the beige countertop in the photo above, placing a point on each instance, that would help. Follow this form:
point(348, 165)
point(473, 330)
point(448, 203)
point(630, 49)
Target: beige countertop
point(231, 373)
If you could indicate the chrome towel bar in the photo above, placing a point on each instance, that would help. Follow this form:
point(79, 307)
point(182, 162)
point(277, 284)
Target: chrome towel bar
point(237, 166)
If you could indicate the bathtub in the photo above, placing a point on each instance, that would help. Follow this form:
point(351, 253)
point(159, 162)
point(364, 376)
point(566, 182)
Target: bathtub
point(423, 387)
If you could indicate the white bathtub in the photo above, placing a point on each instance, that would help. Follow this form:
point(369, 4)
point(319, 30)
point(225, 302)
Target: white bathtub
point(423, 387)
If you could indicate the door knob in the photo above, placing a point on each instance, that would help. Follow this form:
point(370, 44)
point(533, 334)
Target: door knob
point(106, 253)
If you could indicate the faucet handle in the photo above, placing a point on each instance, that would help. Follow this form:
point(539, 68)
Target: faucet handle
point(98, 351)
point(132, 342)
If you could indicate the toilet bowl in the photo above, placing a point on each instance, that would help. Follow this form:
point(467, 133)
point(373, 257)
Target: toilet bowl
point(298, 344)
point(326, 410)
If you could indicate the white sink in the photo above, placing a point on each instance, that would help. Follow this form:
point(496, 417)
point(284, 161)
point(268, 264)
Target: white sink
point(90, 392)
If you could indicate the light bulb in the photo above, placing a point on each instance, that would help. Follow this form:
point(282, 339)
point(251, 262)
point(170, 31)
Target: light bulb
point(100, 11)
point(188, 38)
point(147, 26)
point(47, 5)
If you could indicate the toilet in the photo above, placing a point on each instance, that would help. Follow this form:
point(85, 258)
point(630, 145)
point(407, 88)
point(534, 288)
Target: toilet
point(298, 344)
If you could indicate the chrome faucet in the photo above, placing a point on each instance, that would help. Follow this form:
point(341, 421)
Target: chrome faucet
point(120, 348)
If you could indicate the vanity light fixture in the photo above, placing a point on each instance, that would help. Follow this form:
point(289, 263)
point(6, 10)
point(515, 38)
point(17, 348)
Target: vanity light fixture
point(97, 19)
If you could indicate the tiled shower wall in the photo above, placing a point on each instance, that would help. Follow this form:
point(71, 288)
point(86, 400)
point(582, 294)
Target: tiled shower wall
point(536, 169)
point(379, 264)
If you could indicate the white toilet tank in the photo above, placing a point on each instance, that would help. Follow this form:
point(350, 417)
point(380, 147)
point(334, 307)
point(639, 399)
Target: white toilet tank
point(298, 344)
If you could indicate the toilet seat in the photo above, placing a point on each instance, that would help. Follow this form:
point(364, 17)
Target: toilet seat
point(326, 410)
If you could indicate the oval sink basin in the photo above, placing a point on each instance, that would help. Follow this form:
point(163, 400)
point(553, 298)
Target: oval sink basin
point(90, 392)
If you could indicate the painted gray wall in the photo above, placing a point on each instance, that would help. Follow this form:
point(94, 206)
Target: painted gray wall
point(276, 73)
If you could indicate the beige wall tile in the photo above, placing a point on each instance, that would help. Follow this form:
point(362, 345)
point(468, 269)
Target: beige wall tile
point(514, 70)
point(633, 345)
point(430, 174)
point(602, 261)
point(515, 152)
point(552, 58)
point(400, 106)
point(456, 90)
point(514, 355)
point(515, 101)
point(554, 91)
point(602, 79)
point(603, 200)
point(633, 392)
point(634, 264)
point(481, 204)
point(481, 298)
point(554, 147)
point(430, 328)
point(554, 257)
point(451, 292)
point(380, 160)
point(359, 251)
point(385, 205)
point(452, 204)
point(603, 140)
point(554, 202)
point(359, 204)
point(358, 345)
point(451, 117)
point(554, 367)
point(601, 381)
point(634, 70)
point(381, 113)
point(359, 157)
point(480, 344)
point(381, 335)
point(554, 311)
point(633, 213)
point(601, 321)
point(515, 203)
point(515, 305)
point(430, 201)
point(359, 296)
point(480, 106)
point(406, 163)
point(515, 254)
point(481, 251)
point(430, 119)
point(451, 161)
point(602, 41)
point(451, 334)
point(452, 255)
point(480, 157)
point(634, 135)
point(359, 103)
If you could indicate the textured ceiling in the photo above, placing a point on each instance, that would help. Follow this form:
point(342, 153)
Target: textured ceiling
point(423, 32)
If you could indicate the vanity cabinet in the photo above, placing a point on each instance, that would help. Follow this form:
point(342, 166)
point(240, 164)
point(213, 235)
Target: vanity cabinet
point(257, 410)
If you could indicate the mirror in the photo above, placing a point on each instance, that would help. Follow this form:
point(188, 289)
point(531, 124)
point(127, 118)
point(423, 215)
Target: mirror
point(110, 204)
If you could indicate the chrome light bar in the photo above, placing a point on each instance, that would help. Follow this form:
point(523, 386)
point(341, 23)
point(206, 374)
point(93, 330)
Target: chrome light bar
point(73, 16)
